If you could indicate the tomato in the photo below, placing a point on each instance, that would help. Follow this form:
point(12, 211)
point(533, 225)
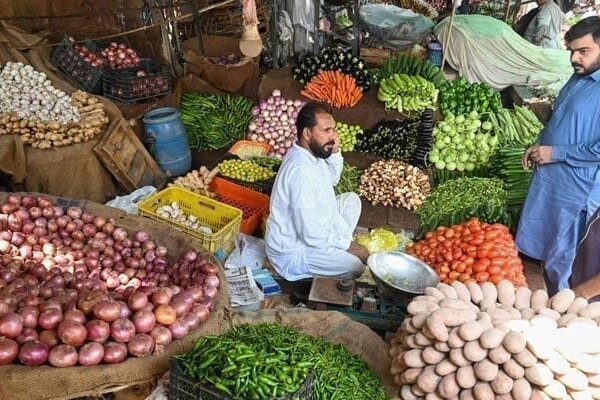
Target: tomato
point(498, 262)
point(448, 257)
point(469, 271)
point(491, 235)
point(464, 277)
point(428, 235)
point(476, 241)
point(434, 244)
point(495, 279)
point(478, 266)
point(482, 254)
point(494, 270)
point(469, 260)
point(426, 251)
point(444, 270)
point(460, 267)
point(482, 277)
point(443, 276)
point(453, 275)
point(449, 233)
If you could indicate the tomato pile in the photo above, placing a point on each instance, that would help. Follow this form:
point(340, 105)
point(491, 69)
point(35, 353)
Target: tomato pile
point(472, 251)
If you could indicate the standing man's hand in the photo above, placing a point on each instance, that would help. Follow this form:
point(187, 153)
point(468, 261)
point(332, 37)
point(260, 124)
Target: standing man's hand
point(336, 144)
point(359, 251)
point(537, 154)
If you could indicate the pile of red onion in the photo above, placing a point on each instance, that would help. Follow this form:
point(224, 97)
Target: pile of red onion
point(120, 56)
point(88, 55)
point(77, 290)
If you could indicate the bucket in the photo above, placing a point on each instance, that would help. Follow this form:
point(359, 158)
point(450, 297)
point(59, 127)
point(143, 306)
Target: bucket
point(434, 53)
point(166, 137)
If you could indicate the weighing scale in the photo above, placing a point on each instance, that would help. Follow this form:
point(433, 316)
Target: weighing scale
point(326, 289)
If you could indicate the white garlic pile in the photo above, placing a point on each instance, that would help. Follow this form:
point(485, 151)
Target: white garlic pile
point(30, 94)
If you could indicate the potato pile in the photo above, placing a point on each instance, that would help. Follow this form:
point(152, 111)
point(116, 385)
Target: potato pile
point(488, 342)
point(47, 134)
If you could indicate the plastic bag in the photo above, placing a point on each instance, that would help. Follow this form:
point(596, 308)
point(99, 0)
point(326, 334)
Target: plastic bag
point(384, 240)
point(130, 202)
point(396, 27)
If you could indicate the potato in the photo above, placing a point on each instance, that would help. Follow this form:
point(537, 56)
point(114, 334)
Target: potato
point(487, 305)
point(564, 319)
point(422, 307)
point(406, 393)
point(428, 381)
point(465, 376)
point(447, 290)
point(448, 387)
point(409, 327)
point(539, 300)
point(595, 392)
point(458, 304)
point(454, 339)
point(555, 389)
point(518, 325)
point(594, 379)
point(457, 357)
point(514, 342)
point(399, 380)
point(466, 395)
point(474, 352)
point(486, 370)
point(418, 321)
point(555, 315)
point(424, 297)
point(431, 356)
point(410, 343)
point(483, 391)
point(436, 328)
point(422, 340)
point(578, 304)
point(528, 313)
point(491, 338)
point(471, 330)
point(433, 396)
point(416, 390)
point(562, 300)
point(591, 311)
point(485, 320)
point(411, 375)
point(506, 293)
point(461, 291)
point(413, 358)
point(539, 374)
point(502, 383)
point(446, 317)
point(583, 395)
point(588, 364)
point(447, 367)
point(544, 321)
point(502, 326)
point(557, 363)
point(442, 346)
point(522, 298)
point(434, 292)
point(499, 355)
point(490, 293)
point(525, 358)
point(499, 315)
point(425, 331)
point(513, 312)
point(475, 292)
point(521, 389)
point(581, 321)
point(574, 379)
point(398, 364)
point(513, 369)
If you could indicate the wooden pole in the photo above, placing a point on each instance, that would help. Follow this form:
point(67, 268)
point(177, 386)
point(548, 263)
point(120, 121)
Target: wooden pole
point(448, 35)
point(506, 11)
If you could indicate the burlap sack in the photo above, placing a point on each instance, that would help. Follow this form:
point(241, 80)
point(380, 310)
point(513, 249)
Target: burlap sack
point(19, 382)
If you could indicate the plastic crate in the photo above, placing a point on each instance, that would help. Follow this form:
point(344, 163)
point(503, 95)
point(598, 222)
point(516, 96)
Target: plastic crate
point(82, 73)
point(254, 205)
point(127, 87)
point(246, 149)
point(184, 387)
point(224, 220)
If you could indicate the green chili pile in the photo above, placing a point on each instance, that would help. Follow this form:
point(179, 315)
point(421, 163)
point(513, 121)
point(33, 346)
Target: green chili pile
point(270, 361)
point(349, 180)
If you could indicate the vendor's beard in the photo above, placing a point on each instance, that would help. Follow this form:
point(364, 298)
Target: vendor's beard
point(320, 151)
point(587, 71)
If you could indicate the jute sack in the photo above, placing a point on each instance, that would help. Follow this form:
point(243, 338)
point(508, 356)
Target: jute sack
point(18, 382)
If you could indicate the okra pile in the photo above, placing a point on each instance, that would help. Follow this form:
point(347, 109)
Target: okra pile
point(271, 361)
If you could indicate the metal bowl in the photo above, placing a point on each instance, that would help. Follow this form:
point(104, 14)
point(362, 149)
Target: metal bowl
point(399, 275)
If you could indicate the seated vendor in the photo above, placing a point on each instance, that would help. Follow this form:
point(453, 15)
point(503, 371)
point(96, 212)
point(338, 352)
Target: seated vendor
point(309, 231)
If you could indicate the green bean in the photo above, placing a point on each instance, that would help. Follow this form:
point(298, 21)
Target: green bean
point(349, 180)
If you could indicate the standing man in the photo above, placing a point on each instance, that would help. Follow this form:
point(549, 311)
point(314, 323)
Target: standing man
point(565, 189)
point(544, 28)
point(309, 231)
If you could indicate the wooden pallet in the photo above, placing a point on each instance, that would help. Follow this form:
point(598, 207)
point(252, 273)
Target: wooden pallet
point(125, 156)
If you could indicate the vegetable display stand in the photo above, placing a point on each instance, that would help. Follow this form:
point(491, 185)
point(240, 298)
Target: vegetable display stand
point(183, 387)
point(68, 60)
point(148, 80)
point(254, 205)
point(224, 220)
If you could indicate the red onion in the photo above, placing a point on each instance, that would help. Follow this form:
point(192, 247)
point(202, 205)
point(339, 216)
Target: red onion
point(202, 311)
point(210, 292)
point(29, 201)
point(108, 228)
point(161, 296)
point(49, 337)
point(114, 352)
point(141, 345)
point(74, 315)
point(122, 330)
point(119, 234)
point(107, 310)
point(11, 325)
point(74, 212)
point(72, 332)
point(137, 301)
point(165, 314)
point(179, 329)
point(210, 269)
point(161, 335)
point(28, 335)
point(50, 319)
point(89, 230)
point(161, 251)
point(9, 349)
point(180, 306)
point(30, 315)
point(91, 354)
point(144, 321)
point(192, 320)
point(140, 236)
point(97, 330)
point(88, 300)
point(63, 356)
point(33, 353)
point(211, 281)
point(44, 202)
point(99, 222)
point(87, 218)
point(47, 212)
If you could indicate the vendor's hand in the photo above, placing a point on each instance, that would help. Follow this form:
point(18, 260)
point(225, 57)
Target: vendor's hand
point(359, 251)
point(527, 161)
point(541, 154)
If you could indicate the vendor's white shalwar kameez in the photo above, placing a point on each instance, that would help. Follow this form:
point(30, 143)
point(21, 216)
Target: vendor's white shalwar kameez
point(309, 228)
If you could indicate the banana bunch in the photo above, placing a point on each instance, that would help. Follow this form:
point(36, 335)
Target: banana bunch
point(403, 92)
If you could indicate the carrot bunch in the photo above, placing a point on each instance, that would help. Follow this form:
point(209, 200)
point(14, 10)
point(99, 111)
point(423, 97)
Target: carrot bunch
point(334, 88)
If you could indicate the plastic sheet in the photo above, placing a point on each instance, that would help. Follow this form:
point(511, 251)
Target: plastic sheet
point(129, 203)
point(384, 240)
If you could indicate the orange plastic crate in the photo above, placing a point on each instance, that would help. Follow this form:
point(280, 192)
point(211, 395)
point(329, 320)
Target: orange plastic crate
point(253, 204)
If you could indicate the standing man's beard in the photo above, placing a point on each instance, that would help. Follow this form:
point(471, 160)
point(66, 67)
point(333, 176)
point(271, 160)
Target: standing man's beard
point(319, 151)
point(583, 71)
